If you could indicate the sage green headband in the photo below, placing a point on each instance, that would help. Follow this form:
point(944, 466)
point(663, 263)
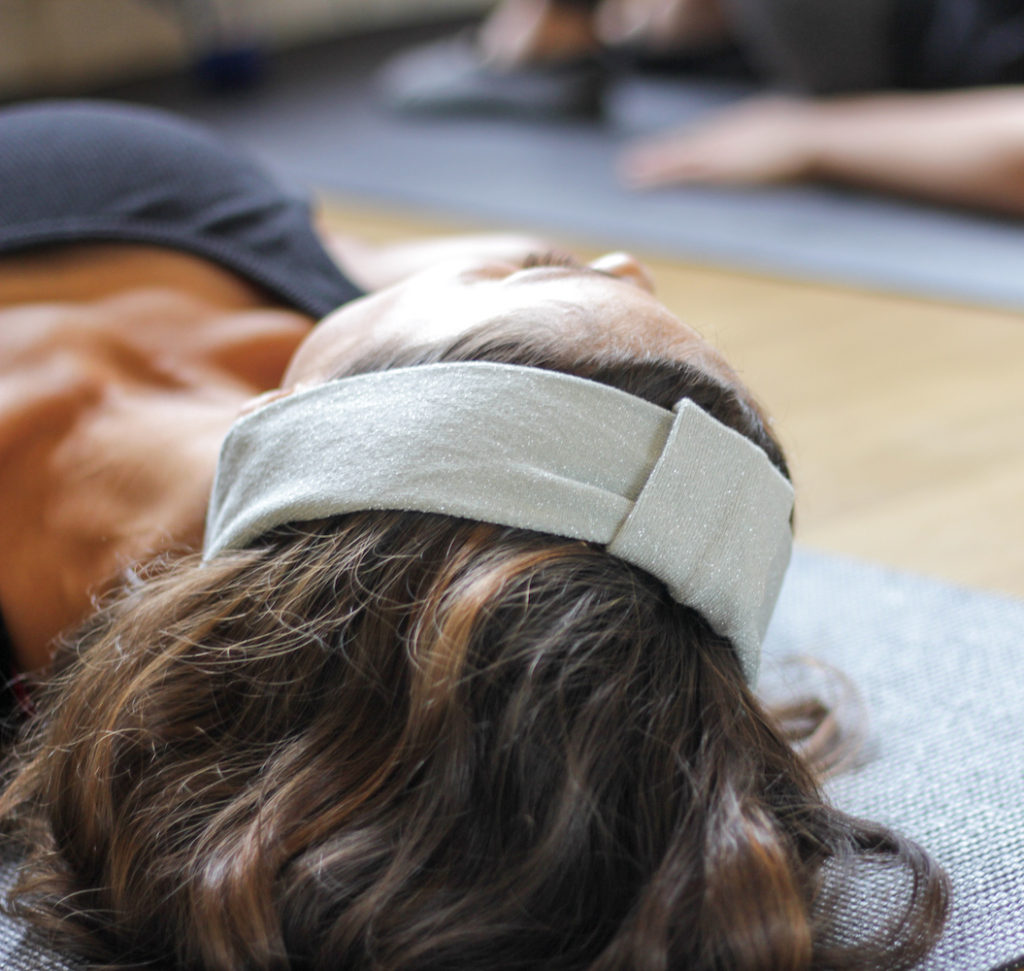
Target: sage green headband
point(676, 493)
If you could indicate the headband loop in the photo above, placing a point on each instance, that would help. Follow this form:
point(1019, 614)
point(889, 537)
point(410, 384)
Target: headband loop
point(675, 493)
point(730, 559)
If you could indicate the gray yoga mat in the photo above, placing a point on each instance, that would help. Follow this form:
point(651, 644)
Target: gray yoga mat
point(939, 671)
point(320, 121)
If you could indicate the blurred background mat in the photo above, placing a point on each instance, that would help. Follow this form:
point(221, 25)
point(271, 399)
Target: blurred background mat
point(322, 120)
point(944, 763)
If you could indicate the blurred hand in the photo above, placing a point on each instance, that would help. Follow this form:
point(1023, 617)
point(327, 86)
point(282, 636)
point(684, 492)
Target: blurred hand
point(760, 141)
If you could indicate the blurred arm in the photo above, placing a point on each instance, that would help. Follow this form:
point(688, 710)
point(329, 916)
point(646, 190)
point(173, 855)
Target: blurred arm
point(963, 147)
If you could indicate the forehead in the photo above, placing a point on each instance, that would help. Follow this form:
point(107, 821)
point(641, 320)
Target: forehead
point(612, 318)
point(586, 312)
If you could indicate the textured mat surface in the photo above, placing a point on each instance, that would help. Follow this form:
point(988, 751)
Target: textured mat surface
point(320, 121)
point(939, 669)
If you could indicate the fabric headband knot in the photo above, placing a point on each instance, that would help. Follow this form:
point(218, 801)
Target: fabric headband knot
point(676, 493)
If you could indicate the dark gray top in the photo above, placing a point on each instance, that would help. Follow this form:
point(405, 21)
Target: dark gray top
point(90, 171)
point(835, 46)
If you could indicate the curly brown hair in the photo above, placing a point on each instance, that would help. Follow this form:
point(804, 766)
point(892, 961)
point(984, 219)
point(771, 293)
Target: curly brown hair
point(406, 742)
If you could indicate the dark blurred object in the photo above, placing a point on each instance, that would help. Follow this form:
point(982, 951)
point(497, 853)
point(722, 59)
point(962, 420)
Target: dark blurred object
point(846, 46)
point(231, 68)
point(447, 76)
point(959, 43)
point(223, 38)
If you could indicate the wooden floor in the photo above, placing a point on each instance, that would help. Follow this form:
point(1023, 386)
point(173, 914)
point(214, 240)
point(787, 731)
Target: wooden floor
point(903, 418)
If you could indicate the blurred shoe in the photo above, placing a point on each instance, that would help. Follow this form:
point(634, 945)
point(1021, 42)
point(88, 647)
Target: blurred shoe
point(450, 77)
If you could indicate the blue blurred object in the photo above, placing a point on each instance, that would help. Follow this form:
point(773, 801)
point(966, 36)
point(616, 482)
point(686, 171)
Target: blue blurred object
point(222, 37)
point(230, 68)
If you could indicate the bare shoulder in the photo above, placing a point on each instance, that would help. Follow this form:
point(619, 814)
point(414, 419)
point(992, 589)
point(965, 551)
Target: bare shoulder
point(113, 402)
point(143, 308)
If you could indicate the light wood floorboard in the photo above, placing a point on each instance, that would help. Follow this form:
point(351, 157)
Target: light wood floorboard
point(903, 418)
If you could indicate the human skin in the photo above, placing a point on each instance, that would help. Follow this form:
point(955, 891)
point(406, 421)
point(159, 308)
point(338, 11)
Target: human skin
point(120, 371)
point(519, 33)
point(662, 25)
point(604, 306)
point(963, 148)
point(122, 367)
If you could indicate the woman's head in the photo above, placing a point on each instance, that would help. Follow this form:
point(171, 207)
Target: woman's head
point(677, 493)
point(689, 498)
point(400, 740)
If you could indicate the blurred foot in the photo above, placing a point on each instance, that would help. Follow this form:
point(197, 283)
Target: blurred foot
point(662, 26)
point(528, 32)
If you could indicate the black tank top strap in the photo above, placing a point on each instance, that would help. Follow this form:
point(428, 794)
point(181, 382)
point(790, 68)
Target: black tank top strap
point(93, 171)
